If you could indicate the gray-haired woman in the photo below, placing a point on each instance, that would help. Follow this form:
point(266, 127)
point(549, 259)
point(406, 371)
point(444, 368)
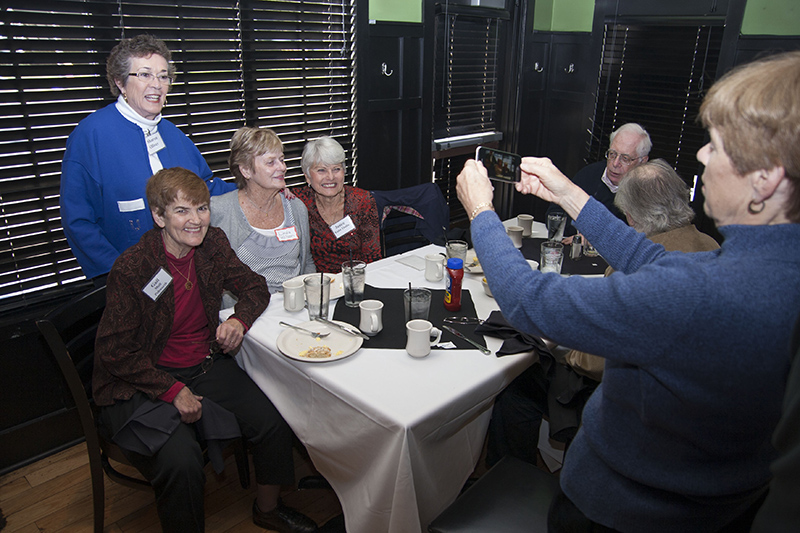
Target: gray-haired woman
point(113, 152)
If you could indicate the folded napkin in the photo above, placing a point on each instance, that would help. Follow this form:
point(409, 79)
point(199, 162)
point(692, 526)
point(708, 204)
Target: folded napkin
point(515, 341)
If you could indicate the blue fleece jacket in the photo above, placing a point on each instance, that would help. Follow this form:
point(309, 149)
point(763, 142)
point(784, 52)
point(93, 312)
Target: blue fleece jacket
point(677, 436)
point(103, 175)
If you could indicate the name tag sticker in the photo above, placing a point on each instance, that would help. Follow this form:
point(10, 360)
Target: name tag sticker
point(157, 284)
point(154, 142)
point(126, 206)
point(343, 227)
point(287, 234)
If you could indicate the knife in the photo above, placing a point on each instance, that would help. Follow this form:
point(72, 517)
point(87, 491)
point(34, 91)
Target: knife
point(349, 331)
point(460, 335)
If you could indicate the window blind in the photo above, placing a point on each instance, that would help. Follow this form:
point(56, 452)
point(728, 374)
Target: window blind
point(656, 75)
point(469, 57)
point(288, 65)
point(468, 62)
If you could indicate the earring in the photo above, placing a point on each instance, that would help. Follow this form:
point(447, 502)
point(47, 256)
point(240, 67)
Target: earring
point(751, 207)
point(125, 96)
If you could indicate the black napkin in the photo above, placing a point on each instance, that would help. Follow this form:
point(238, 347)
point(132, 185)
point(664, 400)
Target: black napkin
point(583, 265)
point(393, 334)
point(515, 341)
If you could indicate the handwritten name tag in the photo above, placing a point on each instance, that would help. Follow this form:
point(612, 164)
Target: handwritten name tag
point(287, 234)
point(157, 284)
point(154, 142)
point(343, 227)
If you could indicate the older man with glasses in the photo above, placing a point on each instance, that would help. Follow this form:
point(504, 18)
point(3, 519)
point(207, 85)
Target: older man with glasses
point(629, 148)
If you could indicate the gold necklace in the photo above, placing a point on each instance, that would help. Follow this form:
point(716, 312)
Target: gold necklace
point(188, 285)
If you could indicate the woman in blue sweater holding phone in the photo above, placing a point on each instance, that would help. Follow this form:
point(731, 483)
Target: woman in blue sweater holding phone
point(677, 436)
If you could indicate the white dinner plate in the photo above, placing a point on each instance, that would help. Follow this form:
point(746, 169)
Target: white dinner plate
point(337, 289)
point(472, 256)
point(292, 343)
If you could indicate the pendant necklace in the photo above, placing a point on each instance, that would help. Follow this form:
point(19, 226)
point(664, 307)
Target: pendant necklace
point(188, 285)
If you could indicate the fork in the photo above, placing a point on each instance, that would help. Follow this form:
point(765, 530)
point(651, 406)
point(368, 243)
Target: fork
point(317, 334)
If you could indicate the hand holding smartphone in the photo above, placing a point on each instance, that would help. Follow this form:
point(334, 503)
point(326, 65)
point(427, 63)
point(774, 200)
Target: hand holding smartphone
point(501, 166)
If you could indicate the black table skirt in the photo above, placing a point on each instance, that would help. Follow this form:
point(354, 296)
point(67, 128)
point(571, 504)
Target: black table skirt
point(582, 266)
point(393, 334)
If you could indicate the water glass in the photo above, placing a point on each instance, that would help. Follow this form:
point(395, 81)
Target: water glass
point(354, 276)
point(416, 303)
point(551, 256)
point(556, 222)
point(318, 295)
point(457, 249)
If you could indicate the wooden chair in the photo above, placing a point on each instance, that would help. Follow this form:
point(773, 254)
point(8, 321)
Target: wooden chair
point(512, 497)
point(70, 332)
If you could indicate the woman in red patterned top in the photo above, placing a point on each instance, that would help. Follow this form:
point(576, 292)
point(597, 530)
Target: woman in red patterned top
point(343, 219)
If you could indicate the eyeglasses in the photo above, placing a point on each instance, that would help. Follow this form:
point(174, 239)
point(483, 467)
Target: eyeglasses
point(148, 77)
point(624, 159)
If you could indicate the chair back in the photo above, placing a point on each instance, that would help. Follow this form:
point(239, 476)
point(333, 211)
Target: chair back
point(411, 217)
point(70, 332)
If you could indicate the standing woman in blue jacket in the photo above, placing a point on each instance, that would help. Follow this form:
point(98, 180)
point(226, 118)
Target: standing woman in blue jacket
point(113, 152)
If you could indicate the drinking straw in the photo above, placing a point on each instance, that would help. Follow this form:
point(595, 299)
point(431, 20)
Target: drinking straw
point(321, 284)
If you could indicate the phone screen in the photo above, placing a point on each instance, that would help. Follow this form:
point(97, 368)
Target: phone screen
point(501, 166)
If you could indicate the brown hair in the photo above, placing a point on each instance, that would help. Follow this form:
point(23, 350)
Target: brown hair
point(248, 143)
point(118, 64)
point(755, 108)
point(165, 185)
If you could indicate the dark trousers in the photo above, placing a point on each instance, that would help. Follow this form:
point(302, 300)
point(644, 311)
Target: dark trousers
point(547, 388)
point(176, 470)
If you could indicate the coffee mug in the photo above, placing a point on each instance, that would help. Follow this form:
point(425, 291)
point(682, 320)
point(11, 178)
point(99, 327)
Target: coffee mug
point(515, 232)
point(434, 267)
point(293, 295)
point(371, 317)
point(421, 336)
point(526, 223)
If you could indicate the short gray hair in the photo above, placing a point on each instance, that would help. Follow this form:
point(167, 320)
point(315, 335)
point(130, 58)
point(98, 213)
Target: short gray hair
point(645, 144)
point(655, 198)
point(324, 150)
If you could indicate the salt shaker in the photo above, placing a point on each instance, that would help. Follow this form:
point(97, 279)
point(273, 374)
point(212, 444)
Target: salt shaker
point(575, 251)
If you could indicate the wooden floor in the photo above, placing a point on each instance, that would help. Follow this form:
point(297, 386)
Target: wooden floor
point(55, 495)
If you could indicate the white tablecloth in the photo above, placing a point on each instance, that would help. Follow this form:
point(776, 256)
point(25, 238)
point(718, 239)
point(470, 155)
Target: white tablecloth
point(395, 436)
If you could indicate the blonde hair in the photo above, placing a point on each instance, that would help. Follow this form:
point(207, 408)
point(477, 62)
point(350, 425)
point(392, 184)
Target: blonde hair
point(755, 108)
point(248, 143)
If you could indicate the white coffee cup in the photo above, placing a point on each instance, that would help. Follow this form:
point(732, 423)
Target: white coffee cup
point(421, 336)
point(434, 267)
point(526, 223)
point(515, 232)
point(371, 316)
point(294, 299)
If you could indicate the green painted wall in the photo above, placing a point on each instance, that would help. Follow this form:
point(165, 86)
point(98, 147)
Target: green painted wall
point(563, 15)
point(396, 10)
point(771, 17)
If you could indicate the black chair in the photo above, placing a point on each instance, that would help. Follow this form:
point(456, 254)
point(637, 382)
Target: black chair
point(70, 332)
point(411, 217)
point(512, 497)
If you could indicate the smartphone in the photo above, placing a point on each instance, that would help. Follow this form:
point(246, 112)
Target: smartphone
point(501, 166)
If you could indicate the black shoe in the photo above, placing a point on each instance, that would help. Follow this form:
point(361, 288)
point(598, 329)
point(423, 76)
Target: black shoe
point(283, 519)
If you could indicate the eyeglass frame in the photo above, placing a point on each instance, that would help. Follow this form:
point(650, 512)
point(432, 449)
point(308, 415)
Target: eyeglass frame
point(622, 157)
point(147, 77)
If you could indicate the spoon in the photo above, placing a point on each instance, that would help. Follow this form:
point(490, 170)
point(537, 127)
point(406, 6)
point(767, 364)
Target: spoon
point(318, 334)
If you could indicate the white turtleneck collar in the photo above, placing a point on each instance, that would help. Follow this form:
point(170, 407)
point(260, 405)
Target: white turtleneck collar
point(149, 127)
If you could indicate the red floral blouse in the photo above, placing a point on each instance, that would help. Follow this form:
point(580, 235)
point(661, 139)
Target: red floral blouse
point(364, 242)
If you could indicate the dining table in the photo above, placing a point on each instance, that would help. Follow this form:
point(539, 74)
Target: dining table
point(396, 436)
